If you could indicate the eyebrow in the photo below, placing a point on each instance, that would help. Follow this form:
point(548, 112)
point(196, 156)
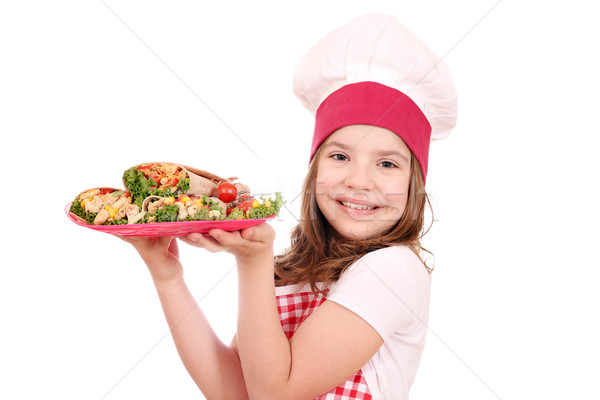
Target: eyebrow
point(393, 153)
point(384, 153)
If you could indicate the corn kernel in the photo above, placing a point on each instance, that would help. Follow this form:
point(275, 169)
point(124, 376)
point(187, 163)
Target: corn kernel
point(198, 202)
point(267, 203)
point(255, 203)
point(169, 201)
point(185, 199)
point(82, 202)
point(112, 211)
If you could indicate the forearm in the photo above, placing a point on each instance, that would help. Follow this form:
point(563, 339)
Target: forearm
point(214, 366)
point(263, 347)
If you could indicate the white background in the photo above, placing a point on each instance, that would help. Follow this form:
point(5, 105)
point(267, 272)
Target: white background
point(90, 88)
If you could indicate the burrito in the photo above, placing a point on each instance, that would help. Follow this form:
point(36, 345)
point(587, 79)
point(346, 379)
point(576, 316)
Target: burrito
point(104, 206)
point(168, 179)
point(181, 208)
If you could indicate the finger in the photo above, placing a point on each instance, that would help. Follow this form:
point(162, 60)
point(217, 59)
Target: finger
point(203, 241)
point(162, 240)
point(195, 236)
point(144, 239)
point(136, 241)
point(191, 241)
point(247, 233)
point(261, 233)
point(128, 239)
point(227, 239)
point(153, 244)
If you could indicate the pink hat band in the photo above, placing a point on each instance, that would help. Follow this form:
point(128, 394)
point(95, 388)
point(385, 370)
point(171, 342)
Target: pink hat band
point(371, 103)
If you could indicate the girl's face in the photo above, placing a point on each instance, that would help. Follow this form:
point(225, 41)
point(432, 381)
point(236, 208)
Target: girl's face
point(362, 180)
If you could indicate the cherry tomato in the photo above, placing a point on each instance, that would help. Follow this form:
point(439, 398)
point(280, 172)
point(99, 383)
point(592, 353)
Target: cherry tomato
point(227, 192)
point(245, 197)
point(245, 206)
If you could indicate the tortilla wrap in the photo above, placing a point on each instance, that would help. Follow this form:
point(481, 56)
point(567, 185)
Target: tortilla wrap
point(147, 200)
point(95, 202)
point(201, 182)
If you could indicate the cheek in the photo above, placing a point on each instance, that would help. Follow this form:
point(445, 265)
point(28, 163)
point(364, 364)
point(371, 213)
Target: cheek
point(325, 191)
point(320, 190)
point(396, 196)
point(324, 185)
point(397, 205)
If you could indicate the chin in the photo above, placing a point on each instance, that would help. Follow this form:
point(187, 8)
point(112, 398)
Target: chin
point(360, 234)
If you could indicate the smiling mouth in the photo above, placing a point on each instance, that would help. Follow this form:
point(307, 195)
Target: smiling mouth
point(356, 206)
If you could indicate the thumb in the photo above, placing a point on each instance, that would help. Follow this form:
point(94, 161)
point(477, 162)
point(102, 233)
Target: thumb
point(247, 233)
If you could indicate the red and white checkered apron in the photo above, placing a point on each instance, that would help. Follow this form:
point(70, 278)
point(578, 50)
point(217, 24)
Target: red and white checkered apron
point(293, 310)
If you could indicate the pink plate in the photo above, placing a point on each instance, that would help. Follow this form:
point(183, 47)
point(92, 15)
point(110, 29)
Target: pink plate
point(168, 228)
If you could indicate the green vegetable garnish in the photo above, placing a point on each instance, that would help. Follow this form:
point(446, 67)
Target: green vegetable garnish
point(264, 211)
point(138, 185)
point(77, 209)
point(167, 213)
point(184, 185)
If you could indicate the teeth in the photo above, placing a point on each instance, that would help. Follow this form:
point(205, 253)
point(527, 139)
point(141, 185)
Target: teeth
point(357, 206)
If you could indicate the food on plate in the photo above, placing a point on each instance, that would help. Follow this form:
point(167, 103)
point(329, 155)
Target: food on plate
point(104, 206)
point(251, 208)
point(169, 179)
point(167, 192)
point(227, 192)
point(204, 208)
point(180, 208)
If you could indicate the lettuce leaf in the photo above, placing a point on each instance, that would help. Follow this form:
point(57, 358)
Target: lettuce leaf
point(268, 207)
point(184, 185)
point(166, 213)
point(138, 185)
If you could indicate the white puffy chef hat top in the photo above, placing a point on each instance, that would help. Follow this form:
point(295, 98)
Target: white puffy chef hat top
point(375, 71)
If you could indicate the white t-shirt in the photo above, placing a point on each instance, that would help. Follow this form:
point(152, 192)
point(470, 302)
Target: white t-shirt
point(389, 289)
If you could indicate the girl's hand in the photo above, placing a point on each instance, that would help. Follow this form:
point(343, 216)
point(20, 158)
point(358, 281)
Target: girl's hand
point(247, 245)
point(160, 254)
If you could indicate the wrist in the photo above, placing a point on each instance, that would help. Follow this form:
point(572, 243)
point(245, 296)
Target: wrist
point(256, 261)
point(165, 284)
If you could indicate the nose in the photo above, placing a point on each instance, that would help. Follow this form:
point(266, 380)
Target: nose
point(359, 177)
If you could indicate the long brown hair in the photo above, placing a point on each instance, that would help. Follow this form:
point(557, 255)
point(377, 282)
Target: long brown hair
point(316, 256)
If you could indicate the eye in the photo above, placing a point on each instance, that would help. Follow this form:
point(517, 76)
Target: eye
point(388, 164)
point(339, 157)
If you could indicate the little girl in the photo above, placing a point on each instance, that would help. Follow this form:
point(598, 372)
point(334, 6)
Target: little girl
point(343, 313)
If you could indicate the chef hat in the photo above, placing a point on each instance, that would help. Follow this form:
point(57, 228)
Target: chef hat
point(374, 71)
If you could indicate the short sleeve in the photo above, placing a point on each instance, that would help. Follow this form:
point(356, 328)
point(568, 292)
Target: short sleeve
point(388, 288)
